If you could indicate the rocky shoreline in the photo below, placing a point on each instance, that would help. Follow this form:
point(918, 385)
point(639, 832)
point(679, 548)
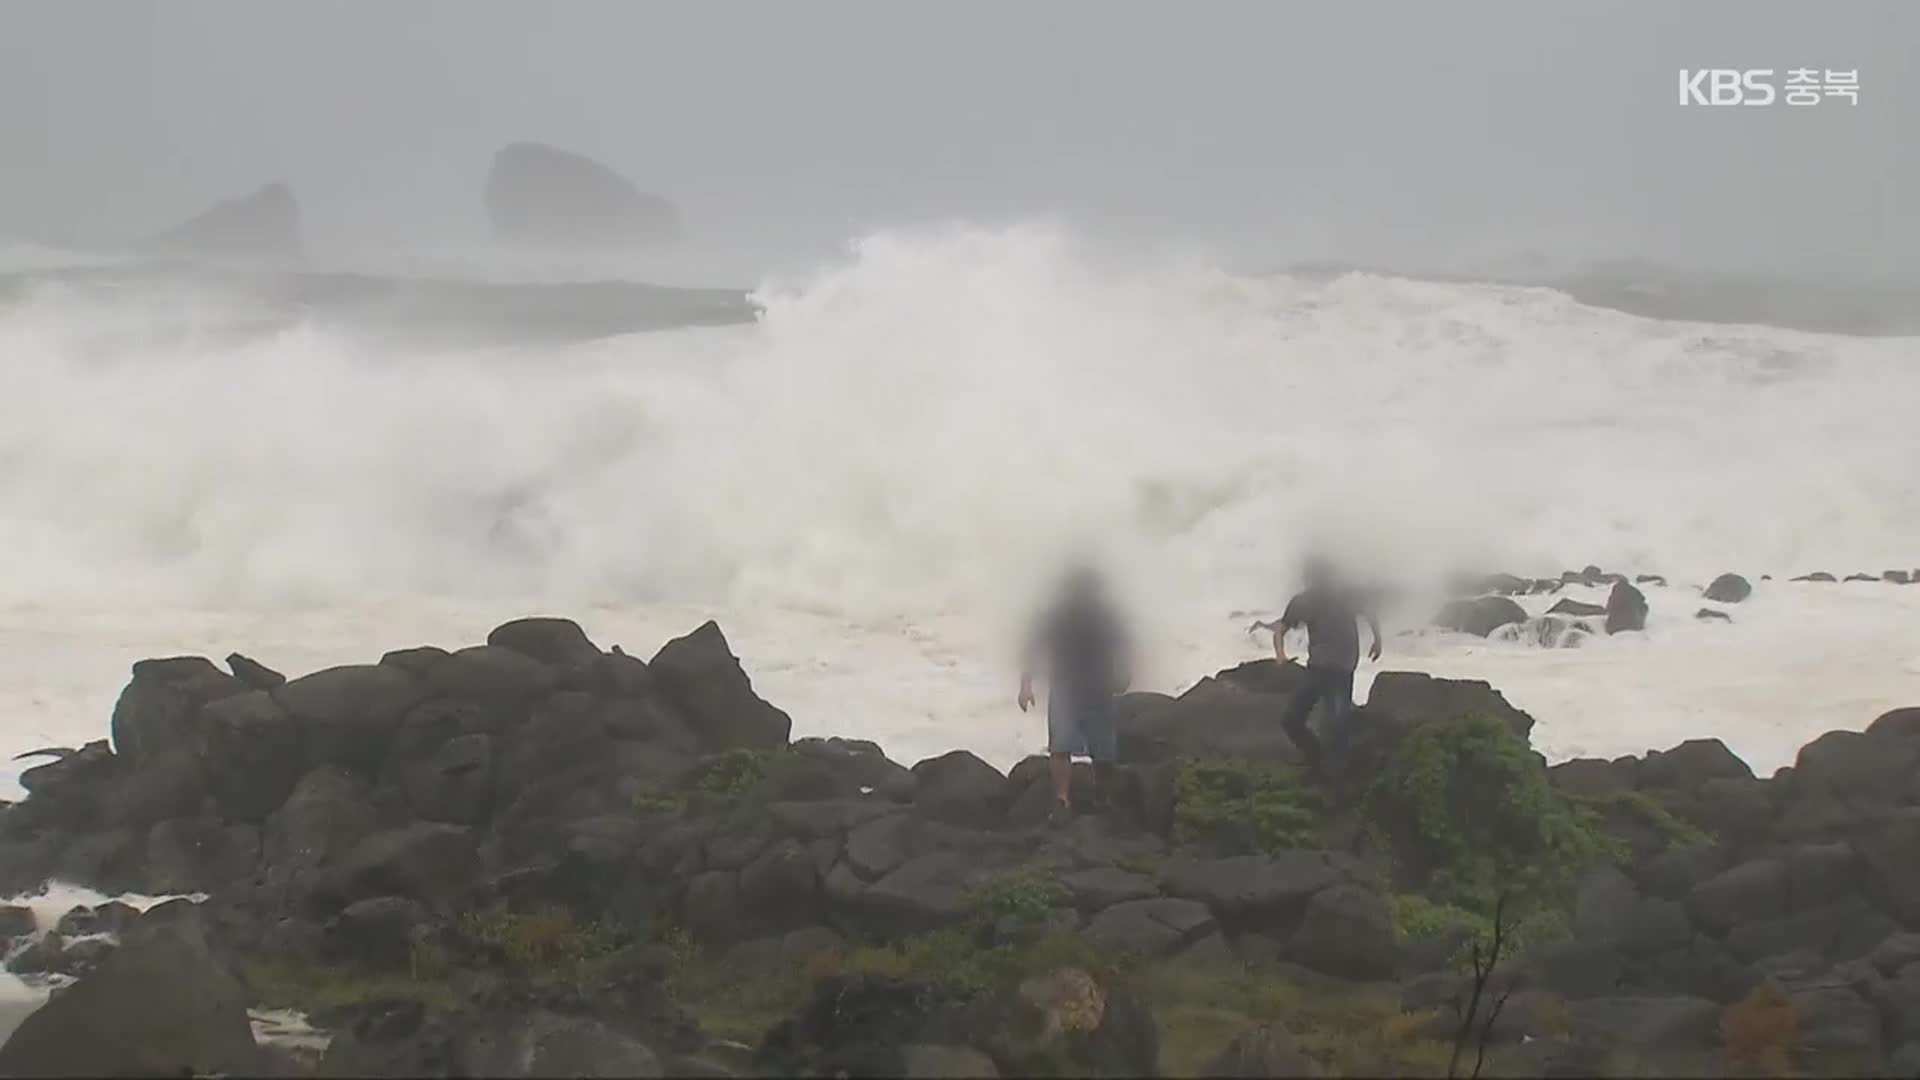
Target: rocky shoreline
point(538, 857)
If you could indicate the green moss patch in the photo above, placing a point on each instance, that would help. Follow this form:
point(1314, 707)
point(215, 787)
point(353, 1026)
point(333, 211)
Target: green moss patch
point(1275, 807)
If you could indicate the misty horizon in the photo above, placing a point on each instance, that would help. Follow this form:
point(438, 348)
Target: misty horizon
point(1268, 134)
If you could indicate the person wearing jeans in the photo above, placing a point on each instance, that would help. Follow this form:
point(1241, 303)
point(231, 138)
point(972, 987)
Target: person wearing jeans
point(1331, 616)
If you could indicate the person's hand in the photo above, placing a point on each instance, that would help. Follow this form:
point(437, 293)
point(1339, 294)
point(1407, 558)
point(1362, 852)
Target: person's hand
point(1026, 698)
point(1374, 653)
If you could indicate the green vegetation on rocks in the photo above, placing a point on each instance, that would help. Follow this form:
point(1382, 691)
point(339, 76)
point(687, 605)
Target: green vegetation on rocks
point(1648, 811)
point(724, 779)
point(1467, 813)
point(1275, 807)
point(1026, 894)
point(547, 946)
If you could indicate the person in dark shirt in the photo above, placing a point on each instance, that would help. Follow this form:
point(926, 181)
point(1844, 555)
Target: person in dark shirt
point(1083, 648)
point(1331, 615)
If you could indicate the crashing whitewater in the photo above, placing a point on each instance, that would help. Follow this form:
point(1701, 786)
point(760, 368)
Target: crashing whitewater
point(864, 485)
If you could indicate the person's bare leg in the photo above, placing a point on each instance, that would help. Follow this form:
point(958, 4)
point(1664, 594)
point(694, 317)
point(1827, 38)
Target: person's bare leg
point(1060, 767)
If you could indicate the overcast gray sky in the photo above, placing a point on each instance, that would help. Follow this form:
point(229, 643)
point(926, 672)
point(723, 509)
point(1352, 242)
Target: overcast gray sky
point(1278, 130)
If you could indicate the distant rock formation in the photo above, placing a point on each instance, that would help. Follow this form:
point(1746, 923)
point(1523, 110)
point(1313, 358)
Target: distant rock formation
point(264, 223)
point(541, 197)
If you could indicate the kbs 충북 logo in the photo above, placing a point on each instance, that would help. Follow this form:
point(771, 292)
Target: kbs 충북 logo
point(1758, 86)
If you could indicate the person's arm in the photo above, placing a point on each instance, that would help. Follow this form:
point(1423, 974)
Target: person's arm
point(1289, 619)
point(1373, 626)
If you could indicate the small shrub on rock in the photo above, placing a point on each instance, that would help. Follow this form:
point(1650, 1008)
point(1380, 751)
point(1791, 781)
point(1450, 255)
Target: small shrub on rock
point(1026, 893)
point(1466, 810)
point(1273, 807)
point(542, 946)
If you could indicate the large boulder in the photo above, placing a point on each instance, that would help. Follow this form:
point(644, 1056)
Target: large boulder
point(1256, 892)
point(1347, 931)
point(1400, 701)
point(250, 753)
point(262, 224)
point(347, 716)
point(1480, 617)
point(454, 784)
point(960, 789)
point(437, 865)
point(560, 642)
point(700, 674)
point(1729, 589)
point(200, 855)
point(541, 197)
point(1152, 927)
point(160, 1005)
point(327, 815)
point(1690, 765)
point(1217, 717)
point(1626, 609)
point(160, 708)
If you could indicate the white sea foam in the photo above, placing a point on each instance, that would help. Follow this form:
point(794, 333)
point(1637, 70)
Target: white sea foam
point(20, 997)
point(863, 487)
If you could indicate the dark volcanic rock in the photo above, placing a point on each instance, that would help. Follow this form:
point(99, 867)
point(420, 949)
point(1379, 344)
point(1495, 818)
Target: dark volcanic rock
point(559, 642)
point(1217, 717)
point(347, 715)
point(265, 223)
point(455, 783)
point(1712, 615)
point(1692, 764)
point(160, 1005)
point(1729, 589)
point(434, 864)
point(1820, 576)
point(200, 855)
point(160, 708)
point(505, 681)
point(325, 817)
point(960, 789)
point(539, 196)
point(1576, 607)
point(1403, 700)
point(1257, 892)
point(168, 784)
point(1480, 617)
point(1347, 931)
point(701, 675)
point(1626, 609)
point(251, 754)
point(1152, 927)
point(254, 673)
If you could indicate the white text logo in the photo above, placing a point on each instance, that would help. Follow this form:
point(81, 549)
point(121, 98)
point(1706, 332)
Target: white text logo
point(1757, 86)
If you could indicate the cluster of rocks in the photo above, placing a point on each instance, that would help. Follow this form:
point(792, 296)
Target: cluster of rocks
point(536, 196)
point(1485, 606)
point(1891, 577)
point(352, 817)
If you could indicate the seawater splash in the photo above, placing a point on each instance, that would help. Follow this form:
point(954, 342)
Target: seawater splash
point(20, 997)
point(866, 484)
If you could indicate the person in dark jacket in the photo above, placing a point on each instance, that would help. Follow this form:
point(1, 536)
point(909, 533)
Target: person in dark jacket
point(1331, 614)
